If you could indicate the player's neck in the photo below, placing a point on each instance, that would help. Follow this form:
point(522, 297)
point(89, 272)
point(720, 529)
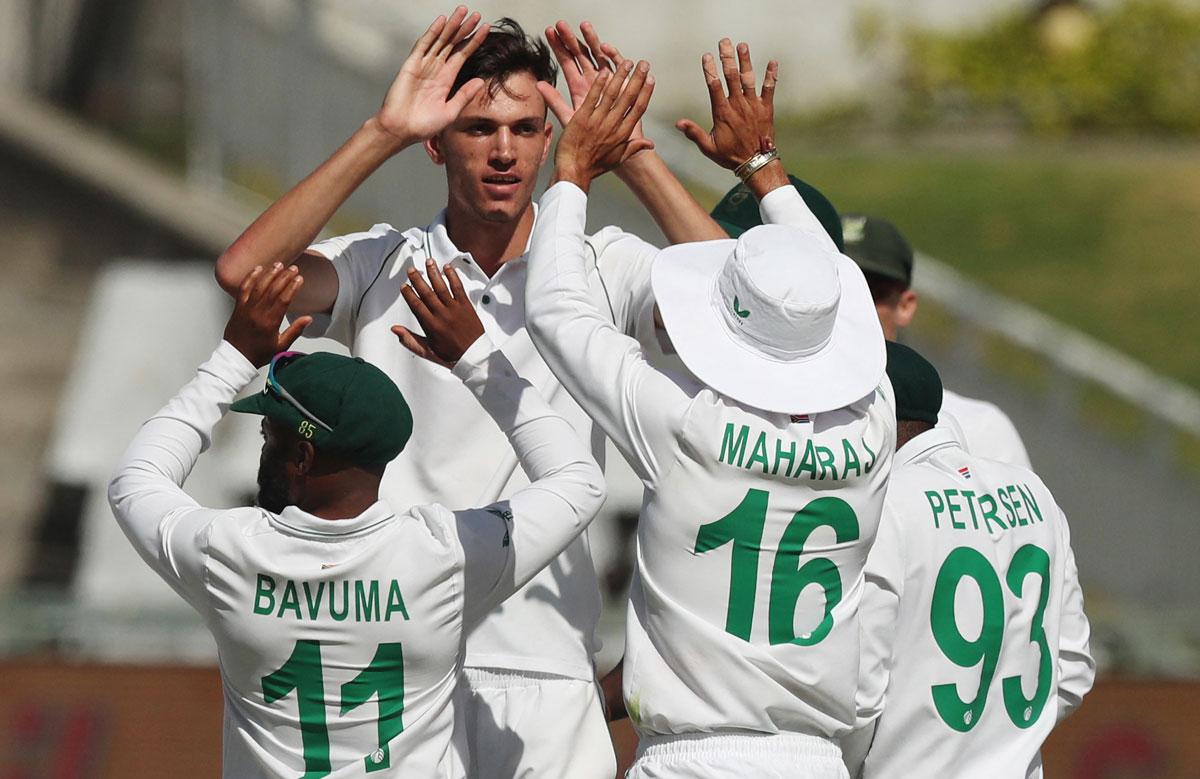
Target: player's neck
point(491, 244)
point(344, 496)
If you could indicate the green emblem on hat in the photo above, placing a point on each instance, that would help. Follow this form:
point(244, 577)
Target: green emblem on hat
point(738, 309)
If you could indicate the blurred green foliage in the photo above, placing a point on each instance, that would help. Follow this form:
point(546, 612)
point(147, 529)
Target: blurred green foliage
point(1131, 66)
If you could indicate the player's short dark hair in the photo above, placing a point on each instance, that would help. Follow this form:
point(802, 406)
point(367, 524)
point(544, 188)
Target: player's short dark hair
point(884, 289)
point(505, 51)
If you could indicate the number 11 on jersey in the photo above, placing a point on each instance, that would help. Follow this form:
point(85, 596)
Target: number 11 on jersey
point(303, 673)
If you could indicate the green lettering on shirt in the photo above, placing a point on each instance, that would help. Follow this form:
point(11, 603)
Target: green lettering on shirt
point(988, 504)
point(851, 460)
point(781, 455)
point(733, 447)
point(759, 455)
point(265, 589)
point(825, 458)
point(290, 600)
point(808, 462)
point(936, 505)
point(366, 601)
point(395, 602)
point(341, 615)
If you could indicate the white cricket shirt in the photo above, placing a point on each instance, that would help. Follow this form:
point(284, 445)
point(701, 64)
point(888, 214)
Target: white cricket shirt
point(982, 429)
point(462, 457)
point(339, 642)
point(755, 525)
point(974, 638)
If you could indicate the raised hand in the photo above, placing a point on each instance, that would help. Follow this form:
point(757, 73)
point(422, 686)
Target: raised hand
point(580, 63)
point(258, 310)
point(418, 103)
point(598, 136)
point(444, 312)
point(743, 121)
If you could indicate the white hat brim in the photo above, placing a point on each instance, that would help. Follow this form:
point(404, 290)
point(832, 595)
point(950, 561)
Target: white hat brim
point(849, 367)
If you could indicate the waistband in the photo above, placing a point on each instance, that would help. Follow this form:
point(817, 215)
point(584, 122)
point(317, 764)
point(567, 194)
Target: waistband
point(690, 746)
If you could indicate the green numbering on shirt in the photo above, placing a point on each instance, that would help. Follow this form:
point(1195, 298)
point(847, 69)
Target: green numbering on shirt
point(303, 673)
point(744, 528)
point(967, 563)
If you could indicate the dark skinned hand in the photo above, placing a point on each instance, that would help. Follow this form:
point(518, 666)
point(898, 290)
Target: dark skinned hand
point(743, 121)
point(444, 312)
point(599, 135)
point(262, 301)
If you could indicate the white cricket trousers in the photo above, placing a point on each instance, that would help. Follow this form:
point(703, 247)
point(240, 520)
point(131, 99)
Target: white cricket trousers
point(737, 756)
point(523, 725)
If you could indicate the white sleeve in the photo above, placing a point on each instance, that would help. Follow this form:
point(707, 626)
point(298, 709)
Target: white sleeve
point(877, 614)
point(359, 260)
point(639, 408)
point(166, 526)
point(507, 543)
point(1076, 668)
point(1004, 442)
point(785, 206)
point(623, 262)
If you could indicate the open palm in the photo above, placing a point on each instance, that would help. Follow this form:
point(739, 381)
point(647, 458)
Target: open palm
point(418, 103)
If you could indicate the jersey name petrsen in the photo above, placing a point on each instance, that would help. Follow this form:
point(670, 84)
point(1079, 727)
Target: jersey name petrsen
point(974, 638)
point(963, 509)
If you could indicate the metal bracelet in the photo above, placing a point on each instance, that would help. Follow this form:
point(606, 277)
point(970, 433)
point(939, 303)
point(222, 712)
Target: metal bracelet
point(755, 163)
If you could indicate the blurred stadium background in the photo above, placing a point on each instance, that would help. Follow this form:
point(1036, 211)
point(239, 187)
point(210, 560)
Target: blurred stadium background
point(1043, 157)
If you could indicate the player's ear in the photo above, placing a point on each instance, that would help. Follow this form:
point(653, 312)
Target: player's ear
point(304, 458)
point(906, 308)
point(548, 135)
point(433, 147)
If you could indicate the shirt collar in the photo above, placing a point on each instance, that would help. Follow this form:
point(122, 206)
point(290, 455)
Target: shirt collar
point(301, 521)
point(921, 445)
point(436, 240)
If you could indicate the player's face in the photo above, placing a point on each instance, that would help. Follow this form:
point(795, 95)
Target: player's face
point(274, 486)
point(896, 313)
point(493, 151)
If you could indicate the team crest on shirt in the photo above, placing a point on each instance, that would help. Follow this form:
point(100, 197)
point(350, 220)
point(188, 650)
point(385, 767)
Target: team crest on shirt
point(964, 472)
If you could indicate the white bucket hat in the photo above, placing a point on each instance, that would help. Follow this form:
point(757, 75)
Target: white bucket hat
point(775, 320)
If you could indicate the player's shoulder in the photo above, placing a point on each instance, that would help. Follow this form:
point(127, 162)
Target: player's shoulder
point(232, 531)
point(612, 239)
point(434, 523)
point(377, 242)
point(975, 411)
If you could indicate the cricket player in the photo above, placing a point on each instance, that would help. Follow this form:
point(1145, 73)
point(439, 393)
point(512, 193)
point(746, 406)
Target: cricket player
point(339, 617)
point(975, 643)
point(468, 94)
point(886, 259)
point(764, 477)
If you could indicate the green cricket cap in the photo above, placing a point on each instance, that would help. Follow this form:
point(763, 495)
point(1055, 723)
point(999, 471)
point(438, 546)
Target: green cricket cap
point(369, 420)
point(738, 210)
point(878, 247)
point(916, 383)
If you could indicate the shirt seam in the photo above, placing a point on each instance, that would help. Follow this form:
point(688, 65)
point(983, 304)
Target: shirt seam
point(387, 259)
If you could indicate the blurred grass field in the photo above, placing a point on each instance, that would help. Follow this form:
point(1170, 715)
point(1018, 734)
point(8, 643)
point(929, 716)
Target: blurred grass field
point(1105, 236)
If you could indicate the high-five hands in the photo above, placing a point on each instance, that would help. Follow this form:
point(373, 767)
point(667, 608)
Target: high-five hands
point(418, 103)
point(599, 134)
point(262, 300)
point(743, 120)
point(581, 63)
point(444, 312)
